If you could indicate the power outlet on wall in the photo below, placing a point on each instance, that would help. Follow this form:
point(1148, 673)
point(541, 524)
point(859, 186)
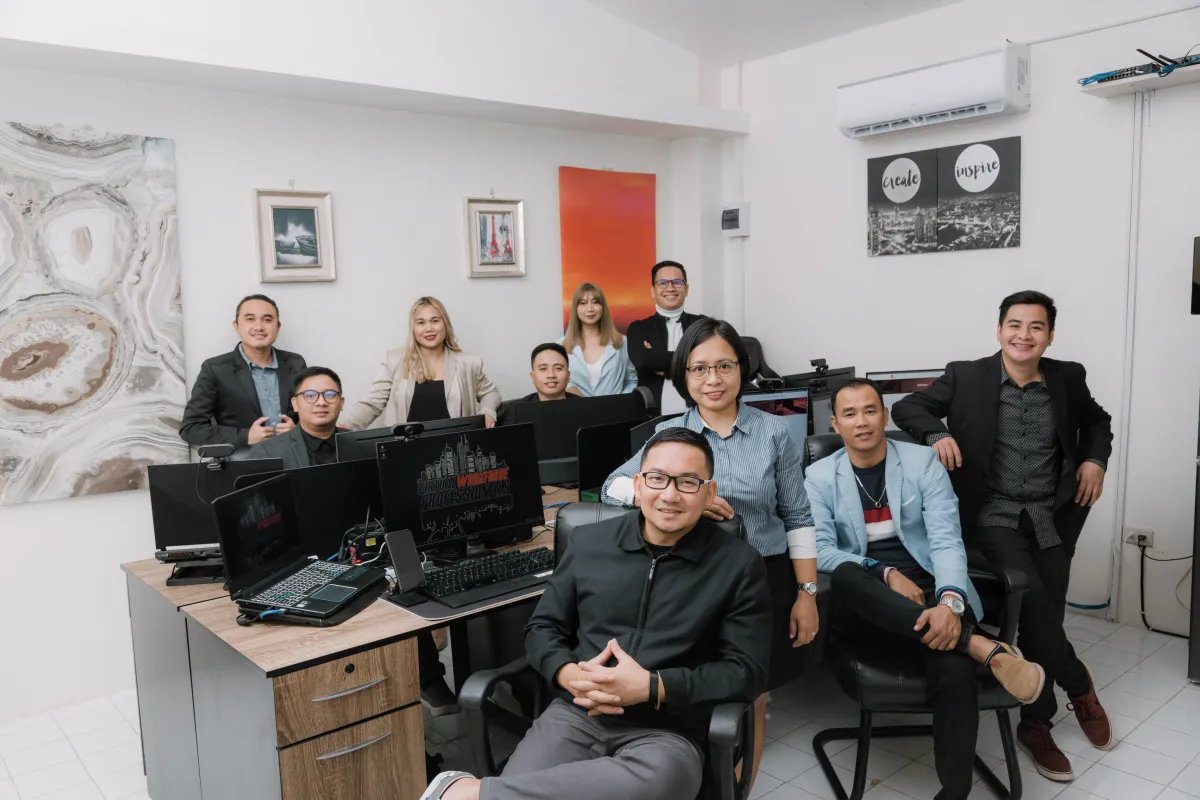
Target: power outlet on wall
point(1139, 536)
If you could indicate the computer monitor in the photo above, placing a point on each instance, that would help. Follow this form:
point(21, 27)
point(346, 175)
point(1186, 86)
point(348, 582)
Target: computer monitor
point(898, 385)
point(818, 382)
point(602, 448)
point(555, 423)
point(449, 488)
point(790, 404)
point(329, 500)
point(181, 497)
point(257, 530)
point(640, 434)
point(357, 445)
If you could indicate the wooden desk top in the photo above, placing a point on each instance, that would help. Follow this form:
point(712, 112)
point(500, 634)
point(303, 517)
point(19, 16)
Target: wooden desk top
point(154, 574)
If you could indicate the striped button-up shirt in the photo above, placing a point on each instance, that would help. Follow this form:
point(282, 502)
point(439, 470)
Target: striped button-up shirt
point(757, 470)
point(266, 384)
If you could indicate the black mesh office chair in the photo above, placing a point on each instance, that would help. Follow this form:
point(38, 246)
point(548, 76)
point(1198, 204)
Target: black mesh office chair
point(882, 683)
point(730, 733)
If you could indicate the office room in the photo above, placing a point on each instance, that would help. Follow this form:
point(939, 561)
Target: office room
point(815, 222)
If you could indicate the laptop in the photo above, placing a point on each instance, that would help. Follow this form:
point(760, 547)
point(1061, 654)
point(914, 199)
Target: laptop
point(267, 567)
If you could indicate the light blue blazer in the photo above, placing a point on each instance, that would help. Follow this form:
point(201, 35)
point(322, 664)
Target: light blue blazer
point(617, 374)
point(924, 510)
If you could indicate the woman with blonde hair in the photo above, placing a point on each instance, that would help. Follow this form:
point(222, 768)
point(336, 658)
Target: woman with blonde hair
point(596, 352)
point(430, 378)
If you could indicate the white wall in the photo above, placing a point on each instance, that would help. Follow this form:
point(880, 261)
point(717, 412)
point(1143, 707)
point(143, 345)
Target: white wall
point(813, 292)
point(564, 53)
point(398, 181)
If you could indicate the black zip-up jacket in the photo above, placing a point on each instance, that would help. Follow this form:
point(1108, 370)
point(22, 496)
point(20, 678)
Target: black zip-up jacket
point(699, 614)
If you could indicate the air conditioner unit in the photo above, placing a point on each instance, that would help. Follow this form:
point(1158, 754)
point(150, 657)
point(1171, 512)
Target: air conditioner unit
point(996, 82)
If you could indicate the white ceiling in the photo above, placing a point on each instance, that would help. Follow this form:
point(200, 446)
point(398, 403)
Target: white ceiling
point(724, 32)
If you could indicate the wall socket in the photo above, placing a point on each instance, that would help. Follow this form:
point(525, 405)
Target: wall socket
point(1139, 536)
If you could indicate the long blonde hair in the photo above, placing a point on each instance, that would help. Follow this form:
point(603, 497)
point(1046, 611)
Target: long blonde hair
point(608, 331)
point(413, 366)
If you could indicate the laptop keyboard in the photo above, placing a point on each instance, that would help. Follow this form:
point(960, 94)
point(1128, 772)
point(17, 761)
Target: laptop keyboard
point(297, 586)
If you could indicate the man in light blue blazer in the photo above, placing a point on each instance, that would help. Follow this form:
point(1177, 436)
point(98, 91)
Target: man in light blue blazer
point(888, 530)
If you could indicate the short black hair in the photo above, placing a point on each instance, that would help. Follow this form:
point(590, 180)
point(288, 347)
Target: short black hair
point(541, 348)
point(663, 265)
point(696, 334)
point(854, 383)
point(312, 372)
point(1029, 297)
point(679, 435)
point(250, 297)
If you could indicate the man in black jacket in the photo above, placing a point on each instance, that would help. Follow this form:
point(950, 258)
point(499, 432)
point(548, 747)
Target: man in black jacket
point(652, 340)
point(1027, 447)
point(240, 398)
point(649, 621)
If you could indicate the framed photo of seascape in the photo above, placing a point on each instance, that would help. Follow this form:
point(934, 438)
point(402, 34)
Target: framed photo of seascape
point(295, 236)
point(495, 238)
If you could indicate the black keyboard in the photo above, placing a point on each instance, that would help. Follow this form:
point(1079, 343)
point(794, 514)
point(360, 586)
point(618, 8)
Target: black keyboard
point(474, 579)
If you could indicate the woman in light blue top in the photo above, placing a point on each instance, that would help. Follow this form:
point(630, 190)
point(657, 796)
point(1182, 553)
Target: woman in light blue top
point(596, 353)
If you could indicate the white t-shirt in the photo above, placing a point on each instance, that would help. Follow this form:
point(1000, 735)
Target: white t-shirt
point(671, 402)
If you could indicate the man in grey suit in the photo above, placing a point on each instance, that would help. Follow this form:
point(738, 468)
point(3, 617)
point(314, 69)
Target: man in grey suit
point(317, 400)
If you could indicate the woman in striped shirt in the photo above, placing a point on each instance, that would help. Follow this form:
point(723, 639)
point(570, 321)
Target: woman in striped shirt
point(758, 477)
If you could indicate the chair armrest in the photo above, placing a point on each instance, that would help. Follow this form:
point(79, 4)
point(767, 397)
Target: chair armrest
point(473, 699)
point(1015, 585)
point(730, 740)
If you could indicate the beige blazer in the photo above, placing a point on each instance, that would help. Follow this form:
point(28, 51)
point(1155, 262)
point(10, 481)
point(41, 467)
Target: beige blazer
point(468, 392)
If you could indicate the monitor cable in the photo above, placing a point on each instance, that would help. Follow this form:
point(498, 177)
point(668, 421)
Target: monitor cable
point(1142, 589)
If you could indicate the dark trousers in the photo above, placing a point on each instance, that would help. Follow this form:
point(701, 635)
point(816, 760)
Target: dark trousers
point(429, 665)
point(868, 610)
point(1040, 633)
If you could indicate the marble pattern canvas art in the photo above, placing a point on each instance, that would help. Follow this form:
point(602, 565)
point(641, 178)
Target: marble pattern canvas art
point(91, 326)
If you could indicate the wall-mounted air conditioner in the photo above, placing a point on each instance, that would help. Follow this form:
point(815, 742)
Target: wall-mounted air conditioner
point(996, 82)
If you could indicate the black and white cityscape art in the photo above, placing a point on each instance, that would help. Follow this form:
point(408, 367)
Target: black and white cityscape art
point(979, 195)
point(966, 197)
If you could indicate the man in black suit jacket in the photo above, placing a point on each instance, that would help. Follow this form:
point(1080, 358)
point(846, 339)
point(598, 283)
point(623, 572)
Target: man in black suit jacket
point(1027, 447)
point(317, 399)
point(652, 340)
point(241, 397)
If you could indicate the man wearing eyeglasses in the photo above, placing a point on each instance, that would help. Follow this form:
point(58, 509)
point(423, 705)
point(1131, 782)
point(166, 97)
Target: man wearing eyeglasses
point(317, 400)
point(650, 620)
point(652, 340)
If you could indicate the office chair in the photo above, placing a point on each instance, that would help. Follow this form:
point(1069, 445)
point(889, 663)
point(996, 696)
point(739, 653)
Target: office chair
point(882, 683)
point(758, 362)
point(730, 732)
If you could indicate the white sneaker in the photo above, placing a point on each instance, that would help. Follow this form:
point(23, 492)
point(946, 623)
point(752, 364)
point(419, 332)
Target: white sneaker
point(441, 783)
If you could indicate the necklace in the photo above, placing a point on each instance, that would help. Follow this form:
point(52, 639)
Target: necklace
point(878, 503)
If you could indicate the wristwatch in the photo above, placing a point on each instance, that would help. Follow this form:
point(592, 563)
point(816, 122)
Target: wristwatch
point(811, 588)
point(954, 603)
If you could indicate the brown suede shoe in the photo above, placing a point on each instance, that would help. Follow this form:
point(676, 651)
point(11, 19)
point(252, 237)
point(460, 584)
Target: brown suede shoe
point(1092, 717)
point(1050, 762)
point(1020, 678)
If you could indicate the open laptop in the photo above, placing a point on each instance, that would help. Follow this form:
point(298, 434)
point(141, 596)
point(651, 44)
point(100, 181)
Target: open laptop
point(266, 566)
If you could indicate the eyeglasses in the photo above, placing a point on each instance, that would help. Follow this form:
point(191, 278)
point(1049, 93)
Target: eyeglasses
point(725, 369)
point(684, 483)
point(663, 283)
point(311, 395)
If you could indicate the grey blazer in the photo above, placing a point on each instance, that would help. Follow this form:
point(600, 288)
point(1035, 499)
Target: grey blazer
point(468, 392)
point(289, 446)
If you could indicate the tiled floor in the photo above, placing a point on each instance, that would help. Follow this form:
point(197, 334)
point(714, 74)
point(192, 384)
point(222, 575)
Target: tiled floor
point(92, 751)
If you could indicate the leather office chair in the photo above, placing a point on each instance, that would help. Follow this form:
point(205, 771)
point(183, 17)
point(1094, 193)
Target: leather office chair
point(758, 362)
point(730, 732)
point(883, 683)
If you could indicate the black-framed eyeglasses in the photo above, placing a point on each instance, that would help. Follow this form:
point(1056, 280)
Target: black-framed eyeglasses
point(311, 395)
point(684, 483)
point(725, 369)
point(663, 283)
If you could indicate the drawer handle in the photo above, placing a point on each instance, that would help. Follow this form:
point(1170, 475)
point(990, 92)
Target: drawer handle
point(354, 748)
point(349, 692)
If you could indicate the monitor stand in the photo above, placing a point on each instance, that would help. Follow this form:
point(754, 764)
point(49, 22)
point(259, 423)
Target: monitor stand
point(193, 573)
point(477, 549)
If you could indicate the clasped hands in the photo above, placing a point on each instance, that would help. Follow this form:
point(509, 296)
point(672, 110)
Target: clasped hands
point(606, 690)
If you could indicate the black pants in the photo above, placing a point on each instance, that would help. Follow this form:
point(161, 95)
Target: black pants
point(868, 610)
point(430, 666)
point(1040, 633)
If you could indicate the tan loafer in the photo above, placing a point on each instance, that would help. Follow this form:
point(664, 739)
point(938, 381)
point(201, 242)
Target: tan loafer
point(1022, 679)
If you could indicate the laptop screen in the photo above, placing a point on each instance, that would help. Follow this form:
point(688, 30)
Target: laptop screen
point(257, 530)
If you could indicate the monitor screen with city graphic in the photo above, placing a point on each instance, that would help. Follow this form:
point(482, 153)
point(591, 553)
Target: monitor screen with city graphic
point(452, 487)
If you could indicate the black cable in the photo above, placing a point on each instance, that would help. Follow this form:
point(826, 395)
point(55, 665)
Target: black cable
point(1142, 592)
point(1164, 560)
